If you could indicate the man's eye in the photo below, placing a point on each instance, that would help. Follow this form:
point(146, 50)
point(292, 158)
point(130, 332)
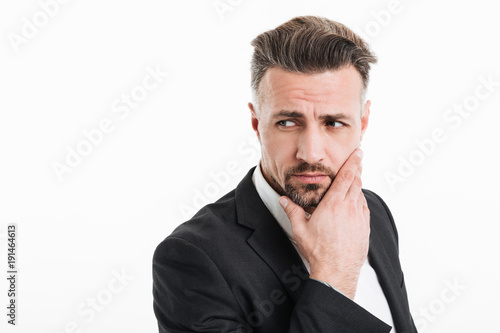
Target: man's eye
point(286, 123)
point(334, 124)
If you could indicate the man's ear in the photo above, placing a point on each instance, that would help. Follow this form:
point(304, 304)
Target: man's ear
point(364, 119)
point(255, 120)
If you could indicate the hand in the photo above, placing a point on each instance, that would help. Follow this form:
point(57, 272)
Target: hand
point(335, 238)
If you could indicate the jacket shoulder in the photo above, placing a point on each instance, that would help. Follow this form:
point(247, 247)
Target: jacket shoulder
point(209, 227)
point(380, 214)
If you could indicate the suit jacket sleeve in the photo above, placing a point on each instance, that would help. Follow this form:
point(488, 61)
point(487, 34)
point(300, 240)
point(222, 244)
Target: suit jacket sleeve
point(191, 295)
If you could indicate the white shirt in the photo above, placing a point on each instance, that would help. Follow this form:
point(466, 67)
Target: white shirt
point(369, 293)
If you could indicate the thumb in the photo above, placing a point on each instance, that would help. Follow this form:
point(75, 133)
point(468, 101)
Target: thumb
point(295, 213)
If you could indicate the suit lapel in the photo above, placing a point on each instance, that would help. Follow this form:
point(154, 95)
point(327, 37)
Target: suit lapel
point(268, 240)
point(389, 281)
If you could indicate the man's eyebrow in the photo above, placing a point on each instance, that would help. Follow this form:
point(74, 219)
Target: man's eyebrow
point(326, 117)
point(335, 117)
point(288, 114)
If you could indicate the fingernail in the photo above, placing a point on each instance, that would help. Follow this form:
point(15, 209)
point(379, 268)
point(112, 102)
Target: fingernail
point(283, 202)
point(359, 152)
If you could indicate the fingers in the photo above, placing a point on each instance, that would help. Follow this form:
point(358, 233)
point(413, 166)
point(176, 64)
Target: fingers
point(366, 210)
point(363, 206)
point(354, 190)
point(295, 213)
point(345, 177)
point(361, 200)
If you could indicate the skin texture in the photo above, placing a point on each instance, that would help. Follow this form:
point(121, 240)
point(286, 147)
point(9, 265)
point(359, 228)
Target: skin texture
point(309, 127)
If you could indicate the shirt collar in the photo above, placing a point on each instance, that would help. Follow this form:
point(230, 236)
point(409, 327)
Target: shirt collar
point(271, 199)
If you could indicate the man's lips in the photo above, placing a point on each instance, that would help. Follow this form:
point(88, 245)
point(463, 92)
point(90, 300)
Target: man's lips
point(311, 178)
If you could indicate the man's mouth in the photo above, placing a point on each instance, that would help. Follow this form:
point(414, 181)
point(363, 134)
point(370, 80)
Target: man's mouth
point(311, 178)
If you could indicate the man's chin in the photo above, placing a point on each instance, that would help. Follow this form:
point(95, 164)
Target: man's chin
point(306, 200)
point(306, 195)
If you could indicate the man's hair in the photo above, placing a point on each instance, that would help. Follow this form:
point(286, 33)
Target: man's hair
point(309, 45)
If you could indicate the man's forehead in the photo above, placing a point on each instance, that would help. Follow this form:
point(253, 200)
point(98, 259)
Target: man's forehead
point(281, 89)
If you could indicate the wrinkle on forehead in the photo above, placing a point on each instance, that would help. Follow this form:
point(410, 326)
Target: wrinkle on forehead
point(312, 92)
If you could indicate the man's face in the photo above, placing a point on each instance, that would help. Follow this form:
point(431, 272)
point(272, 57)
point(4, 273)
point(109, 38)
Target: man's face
point(308, 124)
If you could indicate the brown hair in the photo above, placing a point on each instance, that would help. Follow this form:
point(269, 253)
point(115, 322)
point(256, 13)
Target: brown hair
point(309, 44)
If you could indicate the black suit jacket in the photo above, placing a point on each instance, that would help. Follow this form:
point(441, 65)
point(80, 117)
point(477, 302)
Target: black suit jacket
point(231, 268)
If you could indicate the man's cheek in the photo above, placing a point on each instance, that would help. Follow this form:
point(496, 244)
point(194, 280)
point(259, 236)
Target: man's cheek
point(340, 156)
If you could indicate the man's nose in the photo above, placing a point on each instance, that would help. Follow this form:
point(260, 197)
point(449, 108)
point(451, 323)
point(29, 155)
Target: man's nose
point(311, 146)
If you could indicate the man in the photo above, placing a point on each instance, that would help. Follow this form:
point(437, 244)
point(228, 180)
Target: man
point(298, 246)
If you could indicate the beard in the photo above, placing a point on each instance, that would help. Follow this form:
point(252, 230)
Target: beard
point(305, 195)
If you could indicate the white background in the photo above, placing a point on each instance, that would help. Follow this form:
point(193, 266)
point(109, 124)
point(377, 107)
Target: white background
point(108, 214)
